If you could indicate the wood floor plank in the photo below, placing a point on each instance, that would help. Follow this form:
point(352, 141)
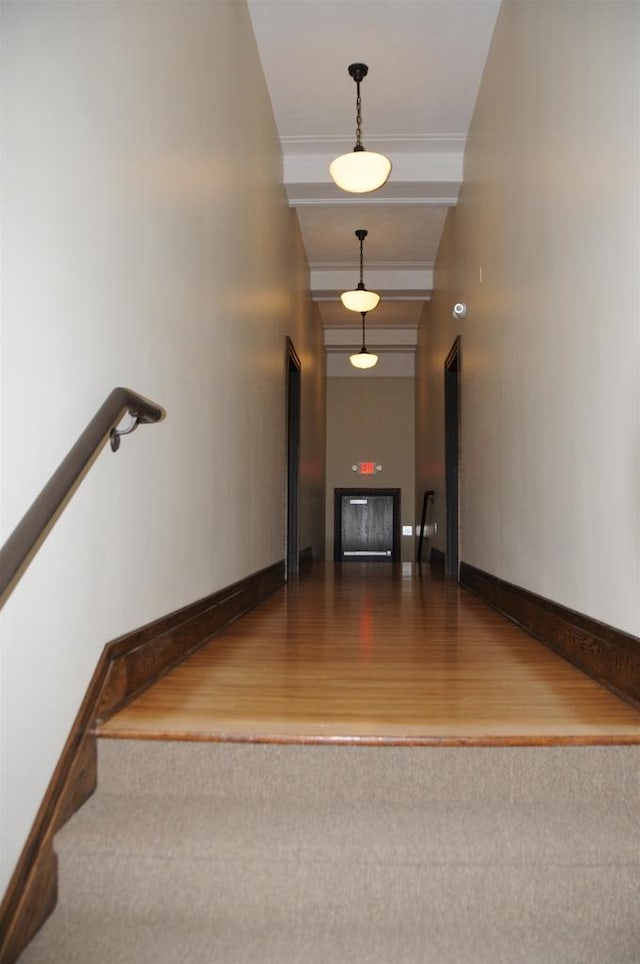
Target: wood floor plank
point(377, 653)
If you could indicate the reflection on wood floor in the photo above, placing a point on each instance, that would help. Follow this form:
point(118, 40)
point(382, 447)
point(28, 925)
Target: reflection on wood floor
point(377, 653)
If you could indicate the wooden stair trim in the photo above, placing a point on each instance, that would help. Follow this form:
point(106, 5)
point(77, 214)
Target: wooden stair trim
point(524, 740)
point(33, 890)
point(127, 666)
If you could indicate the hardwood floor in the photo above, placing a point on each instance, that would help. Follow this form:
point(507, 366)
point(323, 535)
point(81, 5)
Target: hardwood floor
point(377, 653)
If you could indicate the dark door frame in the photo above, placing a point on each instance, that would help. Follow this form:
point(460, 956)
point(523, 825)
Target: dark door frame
point(452, 434)
point(396, 552)
point(293, 367)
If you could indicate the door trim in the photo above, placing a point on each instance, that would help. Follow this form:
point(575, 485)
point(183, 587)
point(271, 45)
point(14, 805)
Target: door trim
point(292, 468)
point(452, 434)
point(396, 551)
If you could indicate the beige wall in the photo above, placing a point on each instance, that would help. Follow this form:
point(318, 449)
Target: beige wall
point(307, 336)
point(147, 242)
point(550, 211)
point(371, 419)
point(437, 334)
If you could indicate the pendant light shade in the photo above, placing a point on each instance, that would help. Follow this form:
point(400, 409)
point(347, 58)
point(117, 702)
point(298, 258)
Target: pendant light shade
point(359, 299)
point(363, 358)
point(361, 171)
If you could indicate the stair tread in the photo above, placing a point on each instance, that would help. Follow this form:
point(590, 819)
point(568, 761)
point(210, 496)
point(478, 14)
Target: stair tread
point(418, 831)
point(466, 914)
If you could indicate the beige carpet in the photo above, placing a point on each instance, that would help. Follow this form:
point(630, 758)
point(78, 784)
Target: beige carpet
point(198, 853)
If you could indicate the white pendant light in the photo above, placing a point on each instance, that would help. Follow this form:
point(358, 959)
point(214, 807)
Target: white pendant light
point(363, 358)
point(361, 171)
point(359, 299)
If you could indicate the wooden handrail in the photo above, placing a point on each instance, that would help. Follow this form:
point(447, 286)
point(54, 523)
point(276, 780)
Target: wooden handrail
point(39, 519)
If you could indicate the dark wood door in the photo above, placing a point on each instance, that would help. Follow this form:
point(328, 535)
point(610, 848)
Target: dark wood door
point(367, 525)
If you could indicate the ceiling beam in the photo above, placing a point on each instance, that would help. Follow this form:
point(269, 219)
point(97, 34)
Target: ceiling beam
point(398, 339)
point(409, 284)
point(417, 178)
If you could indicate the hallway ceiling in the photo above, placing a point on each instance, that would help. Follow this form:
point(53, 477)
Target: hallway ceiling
point(425, 60)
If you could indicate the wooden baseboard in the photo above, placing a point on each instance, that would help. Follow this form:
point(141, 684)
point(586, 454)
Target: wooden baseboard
point(606, 654)
point(137, 660)
point(127, 666)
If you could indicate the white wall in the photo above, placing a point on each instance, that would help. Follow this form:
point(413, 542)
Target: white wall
point(371, 419)
point(550, 210)
point(147, 242)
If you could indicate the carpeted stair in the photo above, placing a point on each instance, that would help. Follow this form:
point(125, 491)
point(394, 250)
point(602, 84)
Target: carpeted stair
point(204, 853)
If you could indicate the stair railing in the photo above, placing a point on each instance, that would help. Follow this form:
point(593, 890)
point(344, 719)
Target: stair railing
point(39, 519)
point(428, 497)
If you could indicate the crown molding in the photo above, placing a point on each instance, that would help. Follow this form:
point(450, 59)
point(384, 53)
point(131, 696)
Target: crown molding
point(416, 284)
point(397, 143)
point(396, 339)
point(300, 201)
point(371, 265)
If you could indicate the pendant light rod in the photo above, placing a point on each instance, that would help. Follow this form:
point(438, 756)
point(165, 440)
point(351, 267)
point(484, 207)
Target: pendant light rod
point(359, 298)
point(363, 358)
point(358, 72)
point(361, 234)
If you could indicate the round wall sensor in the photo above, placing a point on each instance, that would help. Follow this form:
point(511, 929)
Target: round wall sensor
point(459, 310)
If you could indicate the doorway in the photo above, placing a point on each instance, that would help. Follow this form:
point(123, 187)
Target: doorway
point(366, 525)
point(452, 367)
point(293, 459)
